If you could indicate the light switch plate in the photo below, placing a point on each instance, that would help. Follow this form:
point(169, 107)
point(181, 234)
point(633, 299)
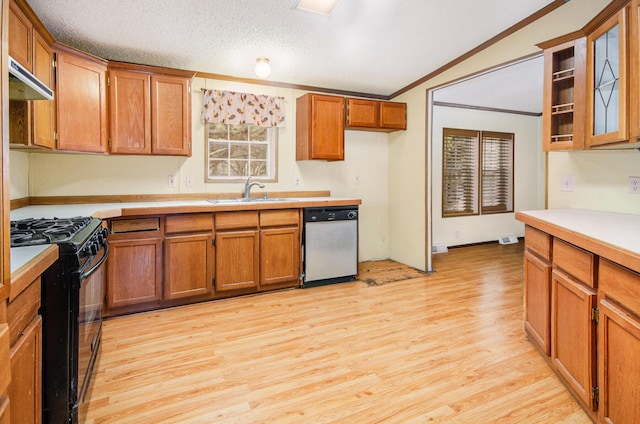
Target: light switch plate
point(567, 183)
point(634, 185)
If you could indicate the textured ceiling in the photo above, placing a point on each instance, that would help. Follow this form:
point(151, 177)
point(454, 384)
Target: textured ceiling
point(366, 46)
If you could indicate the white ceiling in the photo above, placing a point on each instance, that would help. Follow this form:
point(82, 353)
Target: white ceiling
point(365, 46)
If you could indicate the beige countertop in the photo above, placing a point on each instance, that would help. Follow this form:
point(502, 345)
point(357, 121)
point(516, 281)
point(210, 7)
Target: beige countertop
point(613, 235)
point(112, 210)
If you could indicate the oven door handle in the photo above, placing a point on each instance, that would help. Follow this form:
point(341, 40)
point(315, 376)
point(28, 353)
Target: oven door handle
point(91, 270)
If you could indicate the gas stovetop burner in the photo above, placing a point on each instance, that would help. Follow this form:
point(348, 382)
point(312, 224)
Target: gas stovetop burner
point(35, 231)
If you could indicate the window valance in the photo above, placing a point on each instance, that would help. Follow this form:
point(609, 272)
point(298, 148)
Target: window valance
point(229, 107)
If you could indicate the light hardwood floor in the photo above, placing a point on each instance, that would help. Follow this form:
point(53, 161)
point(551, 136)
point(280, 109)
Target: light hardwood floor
point(447, 347)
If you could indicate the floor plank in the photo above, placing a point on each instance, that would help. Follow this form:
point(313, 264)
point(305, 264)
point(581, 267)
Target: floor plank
point(445, 347)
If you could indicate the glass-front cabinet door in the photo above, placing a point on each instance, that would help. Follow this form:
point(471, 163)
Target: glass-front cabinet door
point(634, 74)
point(607, 82)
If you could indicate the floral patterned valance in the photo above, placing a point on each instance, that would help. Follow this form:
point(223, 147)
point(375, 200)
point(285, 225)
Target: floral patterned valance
point(229, 107)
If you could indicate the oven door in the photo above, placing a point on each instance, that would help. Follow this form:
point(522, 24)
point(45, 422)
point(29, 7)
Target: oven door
point(92, 283)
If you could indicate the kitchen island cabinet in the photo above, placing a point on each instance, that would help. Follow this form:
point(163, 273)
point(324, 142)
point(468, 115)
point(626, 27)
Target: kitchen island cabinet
point(595, 311)
point(537, 288)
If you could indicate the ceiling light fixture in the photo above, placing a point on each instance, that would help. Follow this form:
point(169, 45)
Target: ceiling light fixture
point(322, 7)
point(263, 69)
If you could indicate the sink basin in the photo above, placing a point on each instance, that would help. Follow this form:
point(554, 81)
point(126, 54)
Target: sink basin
point(253, 200)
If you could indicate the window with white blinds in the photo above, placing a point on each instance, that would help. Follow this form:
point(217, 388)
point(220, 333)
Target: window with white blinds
point(477, 172)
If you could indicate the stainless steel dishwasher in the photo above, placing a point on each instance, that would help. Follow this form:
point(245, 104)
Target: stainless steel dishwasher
point(330, 245)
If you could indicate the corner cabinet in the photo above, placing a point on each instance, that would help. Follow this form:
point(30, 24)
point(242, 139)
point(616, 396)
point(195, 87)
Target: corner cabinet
point(564, 95)
point(150, 110)
point(81, 101)
point(319, 127)
point(374, 115)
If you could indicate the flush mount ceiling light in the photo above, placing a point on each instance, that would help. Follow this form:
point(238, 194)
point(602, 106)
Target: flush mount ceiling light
point(263, 69)
point(322, 7)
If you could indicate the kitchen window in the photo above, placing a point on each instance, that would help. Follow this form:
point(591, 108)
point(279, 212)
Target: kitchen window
point(235, 152)
point(477, 172)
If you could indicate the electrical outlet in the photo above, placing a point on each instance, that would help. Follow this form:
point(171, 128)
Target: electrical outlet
point(298, 181)
point(189, 180)
point(634, 185)
point(171, 180)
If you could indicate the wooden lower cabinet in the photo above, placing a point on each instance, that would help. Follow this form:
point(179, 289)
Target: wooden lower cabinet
point(25, 391)
point(5, 372)
point(188, 262)
point(573, 335)
point(537, 298)
point(134, 272)
point(5, 410)
point(619, 365)
point(237, 259)
point(279, 256)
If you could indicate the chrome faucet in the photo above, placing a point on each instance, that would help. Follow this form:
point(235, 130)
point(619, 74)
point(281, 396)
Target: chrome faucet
point(247, 188)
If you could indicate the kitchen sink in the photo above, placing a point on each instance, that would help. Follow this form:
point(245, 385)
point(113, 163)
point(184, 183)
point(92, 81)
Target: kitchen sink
point(253, 200)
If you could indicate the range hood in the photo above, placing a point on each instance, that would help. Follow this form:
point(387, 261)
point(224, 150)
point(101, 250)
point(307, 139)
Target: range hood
point(23, 85)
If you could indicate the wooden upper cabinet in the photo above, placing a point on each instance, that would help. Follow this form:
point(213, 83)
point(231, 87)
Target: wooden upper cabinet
point(607, 81)
point(150, 110)
point(130, 112)
point(81, 101)
point(44, 111)
point(319, 127)
point(20, 36)
point(634, 71)
point(171, 115)
point(374, 115)
point(564, 95)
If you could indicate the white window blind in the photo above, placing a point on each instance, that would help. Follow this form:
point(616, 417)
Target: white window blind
point(497, 172)
point(460, 172)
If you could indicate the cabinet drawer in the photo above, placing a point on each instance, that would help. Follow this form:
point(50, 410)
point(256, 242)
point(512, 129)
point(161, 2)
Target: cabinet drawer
point(22, 309)
point(279, 218)
point(5, 363)
point(575, 261)
point(135, 225)
point(231, 220)
point(538, 242)
point(188, 222)
point(621, 284)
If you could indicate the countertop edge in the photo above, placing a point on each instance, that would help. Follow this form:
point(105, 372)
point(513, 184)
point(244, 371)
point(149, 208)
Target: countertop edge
point(603, 248)
point(32, 269)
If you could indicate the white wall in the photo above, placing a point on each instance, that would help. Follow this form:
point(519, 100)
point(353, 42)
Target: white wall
point(408, 150)
point(600, 180)
point(363, 174)
point(528, 181)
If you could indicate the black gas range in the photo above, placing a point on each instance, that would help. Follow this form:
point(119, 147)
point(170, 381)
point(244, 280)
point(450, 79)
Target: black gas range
point(71, 309)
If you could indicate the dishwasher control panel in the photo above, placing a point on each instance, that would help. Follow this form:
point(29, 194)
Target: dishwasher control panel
point(334, 213)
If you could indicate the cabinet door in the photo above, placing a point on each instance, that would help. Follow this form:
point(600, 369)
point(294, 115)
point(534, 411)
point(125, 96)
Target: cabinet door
point(319, 127)
point(237, 263)
point(607, 82)
point(5, 407)
point(634, 71)
point(171, 115)
point(363, 113)
point(44, 117)
point(188, 265)
point(573, 332)
point(279, 256)
point(20, 36)
point(393, 115)
point(134, 272)
point(130, 112)
point(25, 390)
point(618, 365)
point(537, 298)
point(81, 93)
